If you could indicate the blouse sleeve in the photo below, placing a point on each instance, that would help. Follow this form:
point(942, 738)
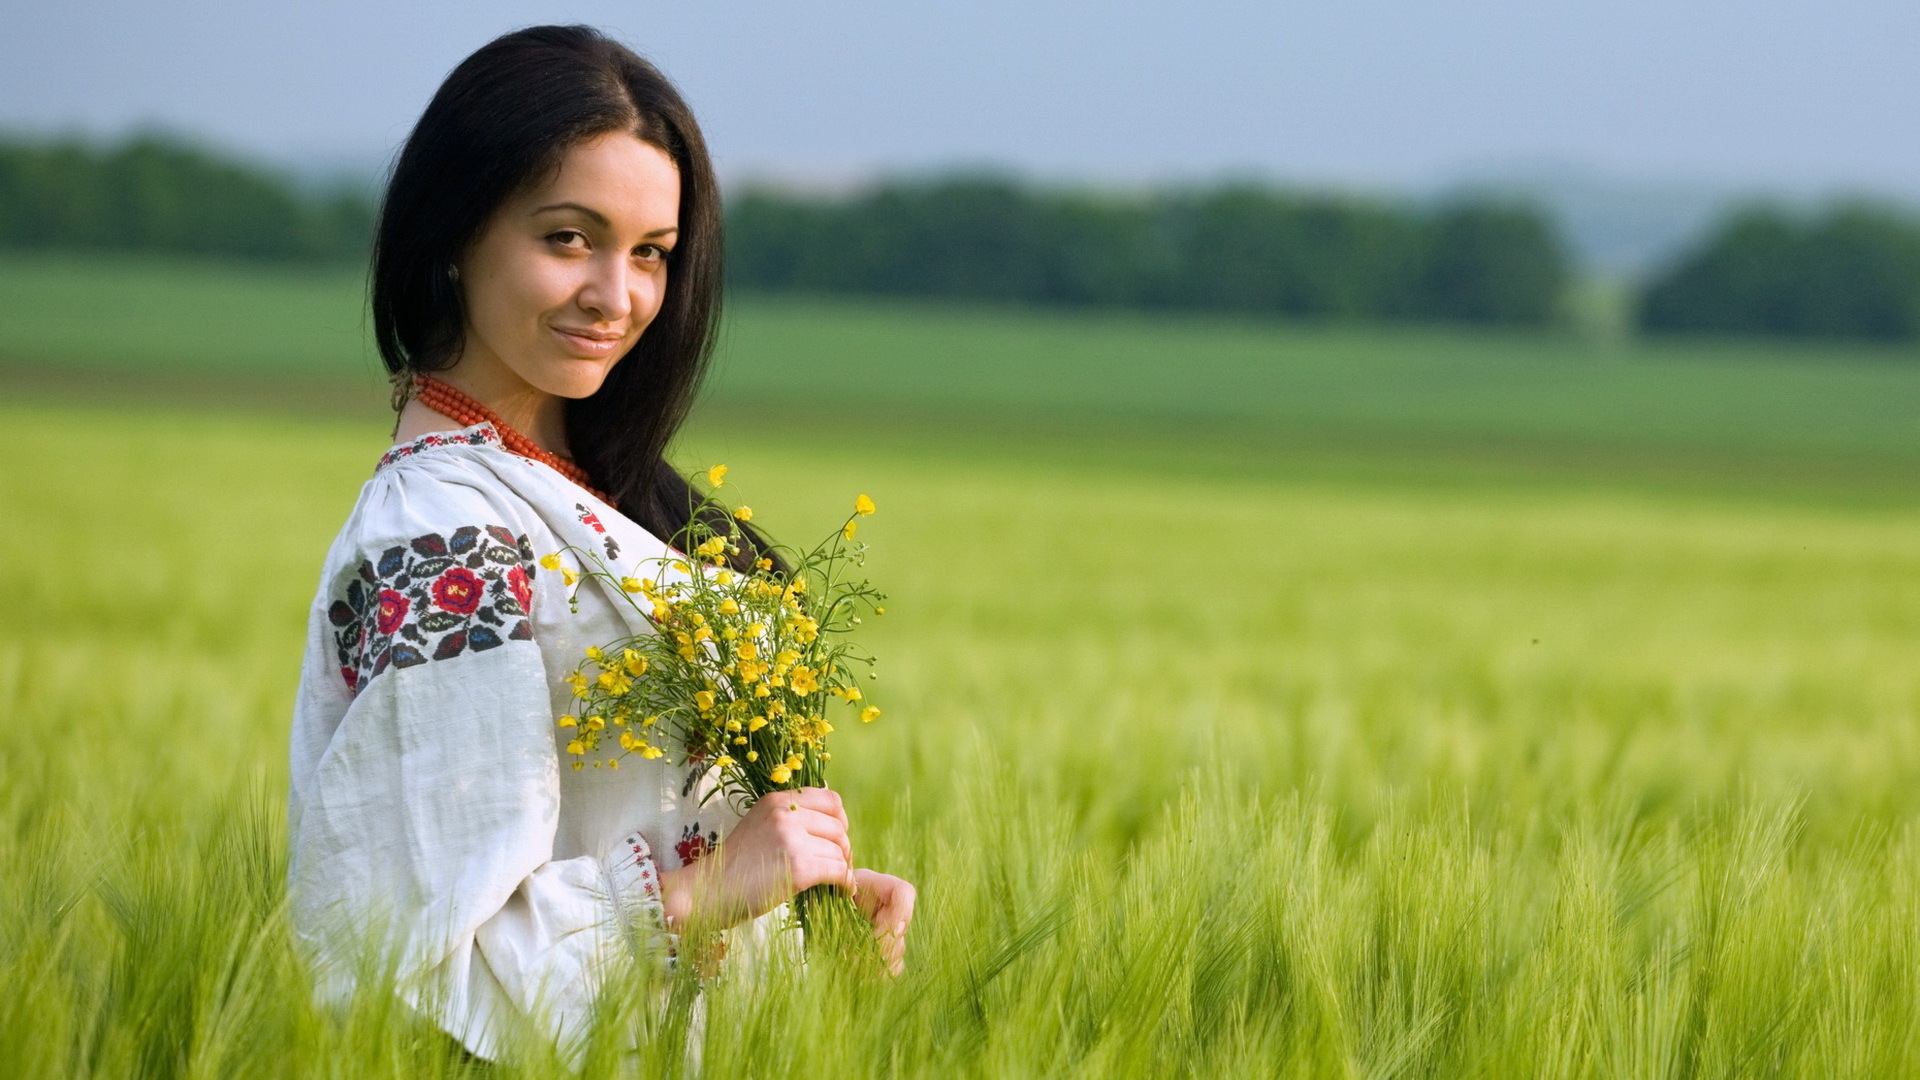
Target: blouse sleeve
point(425, 790)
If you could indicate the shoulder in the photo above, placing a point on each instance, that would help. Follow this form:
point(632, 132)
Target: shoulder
point(439, 483)
point(437, 559)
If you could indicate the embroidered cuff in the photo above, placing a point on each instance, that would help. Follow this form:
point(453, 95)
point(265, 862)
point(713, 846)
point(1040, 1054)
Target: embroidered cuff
point(636, 895)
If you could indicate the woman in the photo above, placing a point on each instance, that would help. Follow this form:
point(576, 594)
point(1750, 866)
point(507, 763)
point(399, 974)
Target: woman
point(545, 285)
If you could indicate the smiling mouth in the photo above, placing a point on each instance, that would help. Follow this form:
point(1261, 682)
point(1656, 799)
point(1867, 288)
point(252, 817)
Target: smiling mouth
point(587, 345)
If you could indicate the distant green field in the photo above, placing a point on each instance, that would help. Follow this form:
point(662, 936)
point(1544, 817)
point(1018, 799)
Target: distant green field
point(1818, 416)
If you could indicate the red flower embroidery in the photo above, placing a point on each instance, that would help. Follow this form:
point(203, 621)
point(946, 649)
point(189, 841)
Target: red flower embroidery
point(522, 592)
point(692, 845)
point(459, 590)
point(391, 610)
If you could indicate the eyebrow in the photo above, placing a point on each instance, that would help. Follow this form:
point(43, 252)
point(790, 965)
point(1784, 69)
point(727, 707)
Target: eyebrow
point(600, 217)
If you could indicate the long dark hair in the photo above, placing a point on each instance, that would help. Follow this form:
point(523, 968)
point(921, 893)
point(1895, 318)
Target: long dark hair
point(503, 119)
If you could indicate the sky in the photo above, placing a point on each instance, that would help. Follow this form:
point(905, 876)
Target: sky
point(1787, 95)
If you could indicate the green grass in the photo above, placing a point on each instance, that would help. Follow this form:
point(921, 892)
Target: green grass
point(1241, 775)
point(1812, 416)
point(1261, 700)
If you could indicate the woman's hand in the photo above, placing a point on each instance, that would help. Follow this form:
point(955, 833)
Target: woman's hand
point(887, 902)
point(788, 841)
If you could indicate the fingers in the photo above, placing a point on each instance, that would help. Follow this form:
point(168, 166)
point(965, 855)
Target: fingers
point(821, 862)
point(888, 902)
point(796, 825)
point(825, 800)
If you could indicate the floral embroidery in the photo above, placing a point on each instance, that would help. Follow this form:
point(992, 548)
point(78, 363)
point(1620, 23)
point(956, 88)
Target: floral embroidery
point(694, 844)
point(478, 435)
point(642, 852)
point(433, 598)
point(592, 521)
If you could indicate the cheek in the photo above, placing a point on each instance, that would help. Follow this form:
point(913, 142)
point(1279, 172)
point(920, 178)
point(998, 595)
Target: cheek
point(511, 301)
point(652, 293)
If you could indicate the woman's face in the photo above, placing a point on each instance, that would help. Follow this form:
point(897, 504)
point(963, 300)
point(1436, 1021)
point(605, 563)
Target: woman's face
point(564, 278)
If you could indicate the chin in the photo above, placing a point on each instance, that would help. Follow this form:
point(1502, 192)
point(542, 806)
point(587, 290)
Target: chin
point(575, 379)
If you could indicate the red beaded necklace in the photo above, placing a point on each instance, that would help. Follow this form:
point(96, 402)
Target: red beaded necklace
point(456, 406)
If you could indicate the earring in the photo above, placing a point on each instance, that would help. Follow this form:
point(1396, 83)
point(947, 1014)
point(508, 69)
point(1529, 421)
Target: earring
point(453, 272)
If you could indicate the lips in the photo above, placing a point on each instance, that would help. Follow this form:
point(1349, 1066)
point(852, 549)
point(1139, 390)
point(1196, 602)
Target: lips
point(587, 344)
point(590, 335)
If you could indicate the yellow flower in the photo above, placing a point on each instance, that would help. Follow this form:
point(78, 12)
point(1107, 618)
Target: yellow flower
point(613, 763)
point(723, 761)
point(756, 630)
point(716, 474)
point(568, 575)
point(733, 725)
point(739, 740)
point(724, 577)
point(550, 562)
point(632, 584)
point(568, 721)
point(744, 513)
point(748, 651)
point(764, 564)
point(804, 680)
point(847, 530)
point(703, 700)
point(863, 506)
point(652, 752)
point(753, 755)
point(780, 774)
point(636, 664)
point(729, 606)
point(594, 653)
point(760, 690)
point(756, 723)
point(880, 611)
point(576, 747)
point(786, 658)
point(869, 714)
point(661, 611)
point(703, 633)
point(595, 723)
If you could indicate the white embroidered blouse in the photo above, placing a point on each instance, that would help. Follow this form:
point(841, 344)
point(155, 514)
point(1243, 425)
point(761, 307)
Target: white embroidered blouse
point(429, 796)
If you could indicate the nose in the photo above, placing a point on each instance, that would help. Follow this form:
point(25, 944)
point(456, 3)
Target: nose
point(608, 291)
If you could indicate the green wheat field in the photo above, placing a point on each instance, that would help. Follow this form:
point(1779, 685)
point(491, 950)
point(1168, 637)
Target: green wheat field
point(1260, 700)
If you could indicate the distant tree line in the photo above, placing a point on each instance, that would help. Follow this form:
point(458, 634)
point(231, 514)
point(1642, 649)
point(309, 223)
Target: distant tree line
point(1231, 248)
point(1850, 272)
point(152, 192)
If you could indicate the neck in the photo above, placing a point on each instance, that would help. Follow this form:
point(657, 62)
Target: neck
point(534, 413)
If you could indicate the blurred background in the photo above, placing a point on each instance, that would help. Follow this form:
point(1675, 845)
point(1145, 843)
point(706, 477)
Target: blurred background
point(1605, 172)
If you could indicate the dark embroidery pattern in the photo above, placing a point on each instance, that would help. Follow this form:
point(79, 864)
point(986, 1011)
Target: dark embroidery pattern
point(592, 521)
point(433, 598)
point(483, 435)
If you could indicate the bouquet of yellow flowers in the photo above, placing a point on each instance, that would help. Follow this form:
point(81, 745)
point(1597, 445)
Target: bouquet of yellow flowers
point(743, 667)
